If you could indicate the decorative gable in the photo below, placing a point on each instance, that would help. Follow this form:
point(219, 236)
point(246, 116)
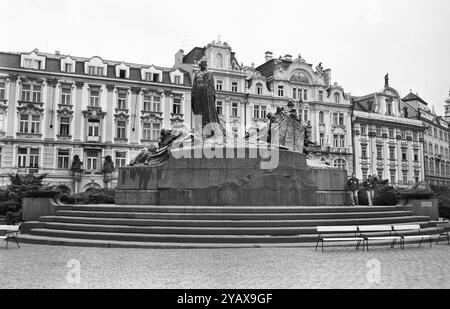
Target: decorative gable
point(32, 61)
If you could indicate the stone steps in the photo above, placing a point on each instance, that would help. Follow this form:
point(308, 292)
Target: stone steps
point(231, 223)
point(203, 226)
point(231, 209)
point(229, 216)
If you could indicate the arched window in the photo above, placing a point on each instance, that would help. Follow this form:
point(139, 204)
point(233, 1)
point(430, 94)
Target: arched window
point(219, 61)
point(259, 88)
point(321, 117)
point(340, 163)
point(337, 97)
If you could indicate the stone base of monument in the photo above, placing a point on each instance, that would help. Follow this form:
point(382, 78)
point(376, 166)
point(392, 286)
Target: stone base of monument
point(246, 178)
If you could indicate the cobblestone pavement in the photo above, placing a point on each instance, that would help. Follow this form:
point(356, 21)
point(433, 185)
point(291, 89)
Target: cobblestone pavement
point(35, 266)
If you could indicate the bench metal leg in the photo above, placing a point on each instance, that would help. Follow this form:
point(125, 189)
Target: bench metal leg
point(420, 243)
point(439, 238)
point(6, 243)
point(431, 242)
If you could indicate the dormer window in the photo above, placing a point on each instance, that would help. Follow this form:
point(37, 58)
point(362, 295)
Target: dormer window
point(177, 79)
point(93, 70)
point(337, 98)
point(68, 67)
point(122, 73)
point(32, 64)
point(259, 89)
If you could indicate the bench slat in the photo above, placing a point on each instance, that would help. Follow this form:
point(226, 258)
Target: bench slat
point(374, 228)
point(342, 239)
point(406, 227)
point(337, 228)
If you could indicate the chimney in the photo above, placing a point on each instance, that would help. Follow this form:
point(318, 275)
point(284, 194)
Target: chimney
point(57, 53)
point(179, 57)
point(36, 50)
point(269, 55)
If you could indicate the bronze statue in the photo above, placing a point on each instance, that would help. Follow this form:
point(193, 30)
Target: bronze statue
point(108, 165)
point(76, 164)
point(386, 80)
point(204, 96)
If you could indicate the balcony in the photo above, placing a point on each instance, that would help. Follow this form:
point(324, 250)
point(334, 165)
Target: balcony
point(93, 139)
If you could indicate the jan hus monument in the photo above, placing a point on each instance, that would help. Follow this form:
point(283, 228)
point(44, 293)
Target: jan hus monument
point(206, 166)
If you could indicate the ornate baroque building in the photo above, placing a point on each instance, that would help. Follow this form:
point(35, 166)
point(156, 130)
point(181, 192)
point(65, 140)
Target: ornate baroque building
point(55, 106)
point(388, 143)
point(436, 160)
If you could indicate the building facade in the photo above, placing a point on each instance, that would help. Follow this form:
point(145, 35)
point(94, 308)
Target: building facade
point(387, 142)
point(436, 160)
point(53, 107)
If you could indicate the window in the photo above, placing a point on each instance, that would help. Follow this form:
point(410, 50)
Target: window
point(32, 64)
point(219, 107)
point(435, 132)
point(147, 131)
point(176, 108)
point(177, 79)
point(121, 129)
point(121, 159)
point(263, 112)
point(336, 97)
point(431, 166)
point(234, 86)
point(415, 135)
point(380, 173)
point(93, 70)
point(29, 124)
point(259, 89)
point(392, 153)
point(335, 140)
point(321, 117)
point(403, 134)
point(95, 97)
point(66, 96)
point(156, 131)
point(63, 158)
point(305, 94)
point(436, 150)
point(93, 128)
point(281, 91)
point(363, 151)
point(148, 77)
point(341, 119)
point(389, 108)
point(440, 135)
point(256, 111)
point(430, 147)
point(31, 93)
point(219, 61)
point(391, 133)
point(340, 163)
point(392, 179)
point(416, 155)
point(320, 95)
point(68, 67)
point(335, 119)
point(122, 100)
point(294, 93)
point(379, 152)
point(405, 177)
point(92, 160)
point(378, 131)
point(22, 154)
point(152, 103)
point(122, 73)
point(64, 126)
point(155, 77)
point(322, 139)
point(234, 110)
point(342, 141)
point(364, 173)
point(219, 85)
point(2, 90)
point(34, 157)
point(151, 131)
point(404, 155)
point(363, 130)
point(416, 177)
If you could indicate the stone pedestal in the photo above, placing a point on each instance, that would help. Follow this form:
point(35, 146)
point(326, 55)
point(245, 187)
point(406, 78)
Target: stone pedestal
point(232, 181)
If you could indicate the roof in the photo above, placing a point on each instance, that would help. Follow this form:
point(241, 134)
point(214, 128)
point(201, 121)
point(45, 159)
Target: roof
point(194, 55)
point(53, 65)
point(414, 97)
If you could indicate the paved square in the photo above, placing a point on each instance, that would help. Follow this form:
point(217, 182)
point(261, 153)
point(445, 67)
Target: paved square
point(35, 266)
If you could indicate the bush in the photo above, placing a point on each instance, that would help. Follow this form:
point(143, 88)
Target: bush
point(442, 194)
point(94, 196)
point(383, 195)
point(43, 194)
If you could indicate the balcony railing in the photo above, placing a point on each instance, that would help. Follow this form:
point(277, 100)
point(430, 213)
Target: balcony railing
point(93, 139)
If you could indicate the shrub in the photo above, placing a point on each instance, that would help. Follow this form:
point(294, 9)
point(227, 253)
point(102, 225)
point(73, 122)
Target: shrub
point(94, 196)
point(383, 195)
point(43, 194)
point(442, 194)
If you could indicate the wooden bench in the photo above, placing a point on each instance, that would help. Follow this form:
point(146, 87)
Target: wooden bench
point(10, 231)
point(364, 229)
point(338, 234)
point(410, 227)
point(443, 228)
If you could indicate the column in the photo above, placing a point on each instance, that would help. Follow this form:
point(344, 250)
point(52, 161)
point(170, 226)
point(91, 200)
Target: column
point(78, 117)
point(109, 114)
point(12, 104)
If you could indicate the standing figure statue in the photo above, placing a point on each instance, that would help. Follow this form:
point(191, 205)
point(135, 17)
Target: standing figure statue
point(204, 98)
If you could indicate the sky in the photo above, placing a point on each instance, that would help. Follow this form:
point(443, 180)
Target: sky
point(360, 40)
